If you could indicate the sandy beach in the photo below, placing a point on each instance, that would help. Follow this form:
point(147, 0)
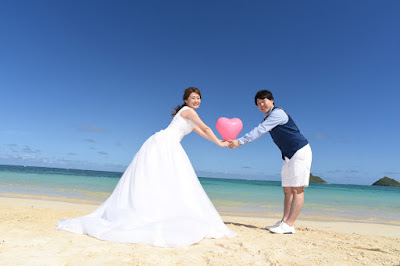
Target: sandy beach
point(28, 237)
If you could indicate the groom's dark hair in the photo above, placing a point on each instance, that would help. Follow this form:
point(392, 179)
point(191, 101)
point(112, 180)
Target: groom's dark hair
point(262, 94)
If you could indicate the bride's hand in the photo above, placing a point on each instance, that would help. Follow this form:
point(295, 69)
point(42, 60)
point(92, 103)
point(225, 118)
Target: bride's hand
point(223, 144)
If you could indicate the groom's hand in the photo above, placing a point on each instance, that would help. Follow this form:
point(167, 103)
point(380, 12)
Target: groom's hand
point(233, 144)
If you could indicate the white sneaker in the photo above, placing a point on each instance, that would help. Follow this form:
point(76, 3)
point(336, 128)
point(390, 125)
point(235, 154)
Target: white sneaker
point(278, 223)
point(283, 228)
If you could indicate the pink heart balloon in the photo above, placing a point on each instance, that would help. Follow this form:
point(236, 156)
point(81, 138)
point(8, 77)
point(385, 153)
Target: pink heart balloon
point(229, 128)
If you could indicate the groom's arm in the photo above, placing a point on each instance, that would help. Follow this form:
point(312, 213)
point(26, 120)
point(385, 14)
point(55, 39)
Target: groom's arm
point(277, 117)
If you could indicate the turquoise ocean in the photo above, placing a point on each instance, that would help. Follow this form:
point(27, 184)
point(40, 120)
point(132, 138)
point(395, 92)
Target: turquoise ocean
point(230, 196)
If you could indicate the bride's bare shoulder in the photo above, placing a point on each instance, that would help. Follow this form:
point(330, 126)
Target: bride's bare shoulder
point(188, 113)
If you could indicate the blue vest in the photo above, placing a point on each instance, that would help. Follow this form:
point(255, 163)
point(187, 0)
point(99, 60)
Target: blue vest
point(288, 137)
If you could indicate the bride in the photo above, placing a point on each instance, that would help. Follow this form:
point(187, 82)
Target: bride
point(159, 200)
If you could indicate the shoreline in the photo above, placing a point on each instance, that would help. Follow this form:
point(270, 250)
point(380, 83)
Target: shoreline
point(274, 215)
point(28, 236)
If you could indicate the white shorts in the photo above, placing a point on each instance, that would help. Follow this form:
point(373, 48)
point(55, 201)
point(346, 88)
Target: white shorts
point(296, 170)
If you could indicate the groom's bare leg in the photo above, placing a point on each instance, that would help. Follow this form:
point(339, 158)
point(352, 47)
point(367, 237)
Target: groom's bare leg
point(297, 204)
point(287, 202)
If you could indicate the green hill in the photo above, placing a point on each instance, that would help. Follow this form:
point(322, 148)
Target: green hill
point(386, 181)
point(316, 179)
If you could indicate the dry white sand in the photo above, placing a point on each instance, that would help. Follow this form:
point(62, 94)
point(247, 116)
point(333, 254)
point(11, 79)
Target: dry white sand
point(28, 237)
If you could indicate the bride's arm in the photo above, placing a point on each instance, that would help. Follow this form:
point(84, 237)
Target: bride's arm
point(201, 133)
point(201, 128)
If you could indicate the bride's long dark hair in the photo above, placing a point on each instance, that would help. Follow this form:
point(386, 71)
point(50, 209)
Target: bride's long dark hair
point(186, 95)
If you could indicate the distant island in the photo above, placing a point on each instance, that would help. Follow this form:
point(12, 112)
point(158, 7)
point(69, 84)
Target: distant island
point(386, 181)
point(316, 179)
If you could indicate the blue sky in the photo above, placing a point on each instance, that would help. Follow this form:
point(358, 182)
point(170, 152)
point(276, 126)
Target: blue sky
point(84, 83)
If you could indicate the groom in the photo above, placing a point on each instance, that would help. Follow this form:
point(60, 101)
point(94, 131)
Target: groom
point(296, 155)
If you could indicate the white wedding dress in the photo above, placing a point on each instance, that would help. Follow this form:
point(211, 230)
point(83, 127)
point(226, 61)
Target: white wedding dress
point(158, 201)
